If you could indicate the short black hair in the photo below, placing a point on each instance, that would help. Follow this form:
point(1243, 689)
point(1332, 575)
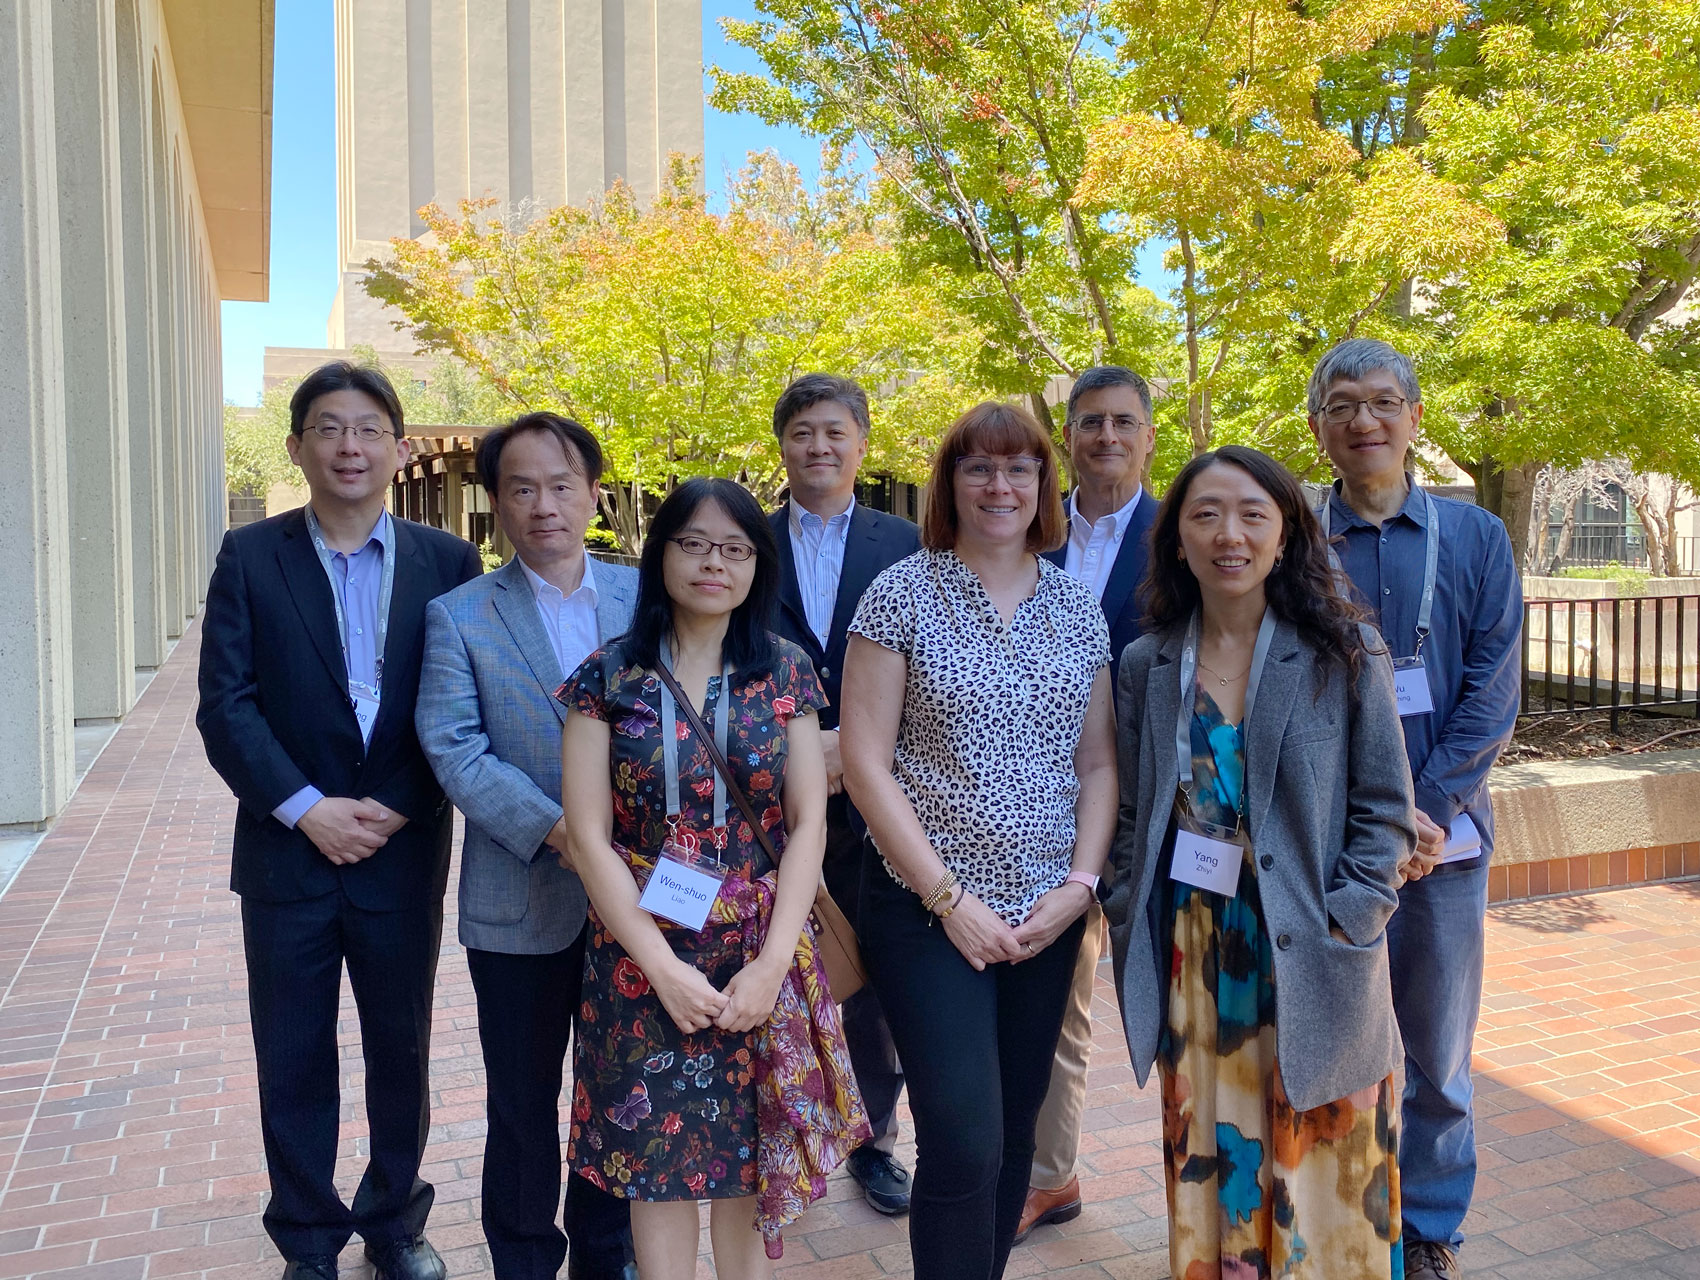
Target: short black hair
point(814, 388)
point(344, 375)
point(574, 438)
point(1101, 377)
point(749, 634)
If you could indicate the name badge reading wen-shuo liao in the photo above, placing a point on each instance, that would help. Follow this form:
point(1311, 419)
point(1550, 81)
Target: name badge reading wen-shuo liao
point(683, 892)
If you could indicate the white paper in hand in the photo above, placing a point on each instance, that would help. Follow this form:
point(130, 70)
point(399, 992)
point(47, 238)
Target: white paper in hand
point(1464, 842)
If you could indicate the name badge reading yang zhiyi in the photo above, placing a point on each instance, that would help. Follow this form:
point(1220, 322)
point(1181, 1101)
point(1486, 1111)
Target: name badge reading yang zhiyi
point(1410, 686)
point(682, 891)
point(1205, 861)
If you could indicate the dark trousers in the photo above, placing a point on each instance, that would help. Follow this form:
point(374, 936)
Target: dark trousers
point(526, 1008)
point(296, 952)
point(977, 1049)
point(873, 1056)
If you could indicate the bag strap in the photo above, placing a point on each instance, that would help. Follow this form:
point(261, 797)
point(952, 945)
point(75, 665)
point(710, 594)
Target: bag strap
point(707, 738)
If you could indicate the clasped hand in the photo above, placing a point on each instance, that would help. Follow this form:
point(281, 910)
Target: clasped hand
point(983, 938)
point(1425, 857)
point(346, 830)
point(695, 1003)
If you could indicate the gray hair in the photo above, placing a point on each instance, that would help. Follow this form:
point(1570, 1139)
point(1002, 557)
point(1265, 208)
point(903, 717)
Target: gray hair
point(1101, 377)
point(1356, 358)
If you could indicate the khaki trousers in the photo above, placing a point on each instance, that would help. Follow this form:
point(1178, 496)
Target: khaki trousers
point(1057, 1138)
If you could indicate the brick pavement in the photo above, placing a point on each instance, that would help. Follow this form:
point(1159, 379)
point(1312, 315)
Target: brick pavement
point(129, 1139)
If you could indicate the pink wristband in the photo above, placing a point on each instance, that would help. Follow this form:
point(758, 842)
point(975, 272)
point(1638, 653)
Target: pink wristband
point(1081, 877)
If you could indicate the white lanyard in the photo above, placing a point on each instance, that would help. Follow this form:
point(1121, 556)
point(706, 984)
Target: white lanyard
point(1431, 556)
point(386, 588)
point(670, 744)
point(1189, 676)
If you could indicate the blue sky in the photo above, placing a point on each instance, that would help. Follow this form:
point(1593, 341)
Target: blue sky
point(303, 224)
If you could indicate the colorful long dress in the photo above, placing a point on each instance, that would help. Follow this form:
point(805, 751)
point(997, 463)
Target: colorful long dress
point(1257, 1191)
point(659, 1114)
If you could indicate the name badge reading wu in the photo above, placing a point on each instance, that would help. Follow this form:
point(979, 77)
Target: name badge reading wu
point(1410, 686)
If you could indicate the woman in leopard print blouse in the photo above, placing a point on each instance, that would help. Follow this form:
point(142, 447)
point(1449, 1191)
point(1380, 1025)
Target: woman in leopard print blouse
point(978, 743)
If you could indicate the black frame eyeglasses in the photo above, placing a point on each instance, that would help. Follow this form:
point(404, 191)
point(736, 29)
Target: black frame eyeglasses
point(734, 552)
point(1382, 408)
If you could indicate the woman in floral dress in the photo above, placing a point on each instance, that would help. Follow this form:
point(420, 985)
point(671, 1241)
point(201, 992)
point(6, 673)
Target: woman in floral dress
point(709, 1064)
point(1266, 820)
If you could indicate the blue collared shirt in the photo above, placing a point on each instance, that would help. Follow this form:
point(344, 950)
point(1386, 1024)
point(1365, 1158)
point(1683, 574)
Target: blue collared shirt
point(568, 621)
point(357, 578)
point(817, 549)
point(1472, 653)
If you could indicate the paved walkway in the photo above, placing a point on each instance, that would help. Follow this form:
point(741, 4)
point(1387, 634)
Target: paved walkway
point(130, 1147)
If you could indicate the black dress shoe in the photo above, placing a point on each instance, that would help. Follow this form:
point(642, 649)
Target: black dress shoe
point(884, 1182)
point(315, 1266)
point(406, 1259)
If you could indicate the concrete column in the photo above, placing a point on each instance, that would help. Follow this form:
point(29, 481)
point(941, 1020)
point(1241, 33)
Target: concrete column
point(37, 760)
point(488, 86)
point(96, 408)
point(147, 577)
point(584, 49)
point(170, 389)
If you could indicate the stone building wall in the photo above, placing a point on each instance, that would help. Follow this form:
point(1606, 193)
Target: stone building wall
point(134, 157)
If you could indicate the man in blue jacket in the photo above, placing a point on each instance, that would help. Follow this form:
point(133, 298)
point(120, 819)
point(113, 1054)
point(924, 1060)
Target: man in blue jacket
point(495, 652)
point(1439, 579)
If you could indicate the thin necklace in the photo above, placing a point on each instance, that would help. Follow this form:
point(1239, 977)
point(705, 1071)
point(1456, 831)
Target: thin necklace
point(1220, 678)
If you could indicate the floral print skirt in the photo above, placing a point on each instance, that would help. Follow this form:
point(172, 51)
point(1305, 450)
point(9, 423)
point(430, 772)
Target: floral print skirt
point(1257, 1190)
point(659, 1114)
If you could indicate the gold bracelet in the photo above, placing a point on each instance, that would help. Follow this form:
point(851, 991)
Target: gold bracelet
point(945, 914)
point(940, 891)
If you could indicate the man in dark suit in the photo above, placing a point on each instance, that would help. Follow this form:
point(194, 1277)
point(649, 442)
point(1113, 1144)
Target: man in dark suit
point(1109, 434)
point(830, 549)
point(310, 658)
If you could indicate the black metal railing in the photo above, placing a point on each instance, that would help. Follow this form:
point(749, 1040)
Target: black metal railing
point(1636, 652)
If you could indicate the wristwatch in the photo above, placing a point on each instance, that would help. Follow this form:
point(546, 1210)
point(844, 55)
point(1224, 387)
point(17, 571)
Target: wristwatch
point(1081, 877)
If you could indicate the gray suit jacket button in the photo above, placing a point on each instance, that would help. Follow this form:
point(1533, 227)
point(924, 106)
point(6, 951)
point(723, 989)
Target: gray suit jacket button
point(1266, 861)
point(1284, 941)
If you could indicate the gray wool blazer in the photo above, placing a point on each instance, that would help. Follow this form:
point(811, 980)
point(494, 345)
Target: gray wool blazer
point(490, 725)
point(1329, 811)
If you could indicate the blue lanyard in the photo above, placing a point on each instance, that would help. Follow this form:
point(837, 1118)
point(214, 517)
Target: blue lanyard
point(1431, 556)
point(386, 589)
point(670, 743)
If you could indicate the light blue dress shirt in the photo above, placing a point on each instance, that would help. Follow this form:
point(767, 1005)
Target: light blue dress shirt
point(817, 549)
point(356, 577)
point(569, 621)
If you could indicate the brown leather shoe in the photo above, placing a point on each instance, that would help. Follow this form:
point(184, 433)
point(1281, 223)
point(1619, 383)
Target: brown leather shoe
point(1061, 1205)
point(1425, 1260)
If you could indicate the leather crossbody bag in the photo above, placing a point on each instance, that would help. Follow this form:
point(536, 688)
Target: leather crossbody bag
point(840, 953)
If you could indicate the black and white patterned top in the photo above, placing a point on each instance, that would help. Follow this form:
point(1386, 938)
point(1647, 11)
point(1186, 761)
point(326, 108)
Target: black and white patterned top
point(991, 718)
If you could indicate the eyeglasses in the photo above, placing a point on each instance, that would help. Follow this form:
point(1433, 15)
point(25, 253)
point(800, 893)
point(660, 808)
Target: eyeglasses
point(1124, 423)
point(1021, 472)
point(1385, 408)
point(370, 432)
point(737, 552)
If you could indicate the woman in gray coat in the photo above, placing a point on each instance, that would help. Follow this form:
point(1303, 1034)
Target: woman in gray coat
point(1266, 814)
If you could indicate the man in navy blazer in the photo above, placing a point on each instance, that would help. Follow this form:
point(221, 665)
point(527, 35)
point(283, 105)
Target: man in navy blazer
point(310, 656)
point(830, 549)
point(495, 652)
point(1109, 433)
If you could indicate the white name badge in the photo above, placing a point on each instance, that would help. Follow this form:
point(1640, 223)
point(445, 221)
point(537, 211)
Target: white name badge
point(1410, 686)
point(1464, 842)
point(1206, 862)
point(681, 893)
point(365, 711)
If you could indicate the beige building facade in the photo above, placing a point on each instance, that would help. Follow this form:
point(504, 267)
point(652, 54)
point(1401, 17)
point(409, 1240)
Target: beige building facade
point(539, 102)
point(135, 158)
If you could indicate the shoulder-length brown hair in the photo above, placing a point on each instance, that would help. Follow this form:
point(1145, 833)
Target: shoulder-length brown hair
point(995, 430)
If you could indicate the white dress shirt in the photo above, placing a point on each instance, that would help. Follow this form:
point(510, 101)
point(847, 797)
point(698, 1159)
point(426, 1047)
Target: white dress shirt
point(1093, 548)
point(817, 549)
point(568, 621)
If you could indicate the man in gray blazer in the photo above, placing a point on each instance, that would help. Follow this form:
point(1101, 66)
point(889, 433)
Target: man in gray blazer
point(496, 649)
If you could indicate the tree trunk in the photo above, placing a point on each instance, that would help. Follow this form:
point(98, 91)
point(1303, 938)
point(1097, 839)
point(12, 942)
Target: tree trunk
point(1566, 535)
point(1509, 492)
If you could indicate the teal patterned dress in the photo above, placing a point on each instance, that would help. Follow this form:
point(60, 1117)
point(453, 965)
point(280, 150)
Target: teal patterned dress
point(1257, 1191)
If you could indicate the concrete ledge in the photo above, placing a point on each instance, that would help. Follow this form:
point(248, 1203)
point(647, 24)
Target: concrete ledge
point(1606, 588)
point(1578, 808)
